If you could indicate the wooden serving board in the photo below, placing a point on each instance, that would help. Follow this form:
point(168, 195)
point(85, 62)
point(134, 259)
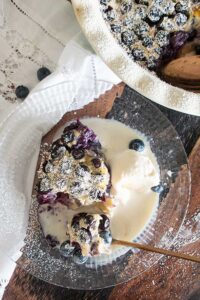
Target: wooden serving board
point(170, 279)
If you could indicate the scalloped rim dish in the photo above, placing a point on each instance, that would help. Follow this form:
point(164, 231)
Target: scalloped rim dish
point(146, 83)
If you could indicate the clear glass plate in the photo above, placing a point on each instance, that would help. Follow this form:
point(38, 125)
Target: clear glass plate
point(20, 140)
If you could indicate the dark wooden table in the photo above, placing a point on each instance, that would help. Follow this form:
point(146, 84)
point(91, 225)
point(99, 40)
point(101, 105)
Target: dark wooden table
point(166, 280)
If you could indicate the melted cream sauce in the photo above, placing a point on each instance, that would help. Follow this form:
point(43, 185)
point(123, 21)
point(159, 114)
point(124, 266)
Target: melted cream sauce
point(133, 175)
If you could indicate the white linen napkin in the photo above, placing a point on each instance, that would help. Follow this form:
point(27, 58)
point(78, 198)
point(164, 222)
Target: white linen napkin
point(77, 62)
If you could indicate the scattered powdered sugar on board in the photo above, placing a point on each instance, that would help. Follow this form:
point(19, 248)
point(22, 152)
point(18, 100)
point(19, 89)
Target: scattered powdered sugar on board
point(190, 231)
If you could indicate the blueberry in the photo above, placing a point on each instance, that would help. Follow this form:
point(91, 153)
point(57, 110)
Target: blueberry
point(95, 146)
point(115, 28)
point(126, 7)
point(76, 188)
point(78, 153)
point(61, 184)
point(162, 38)
point(84, 167)
point(141, 29)
point(82, 215)
point(75, 222)
point(104, 223)
point(157, 50)
point(72, 126)
point(154, 14)
point(197, 49)
point(127, 21)
point(81, 170)
point(58, 151)
point(106, 235)
point(168, 8)
point(178, 39)
point(78, 258)
point(97, 178)
point(180, 7)
point(152, 63)
point(110, 14)
point(42, 73)
point(65, 167)
point(180, 19)
point(68, 137)
point(44, 185)
point(140, 12)
point(84, 235)
point(96, 162)
point(76, 245)
point(52, 241)
point(127, 38)
point(90, 221)
point(136, 145)
point(66, 249)
point(167, 24)
point(93, 194)
point(21, 92)
point(76, 219)
point(138, 54)
point(147, 42)
point(157, 189)
point(48, 167)
point(56, 144)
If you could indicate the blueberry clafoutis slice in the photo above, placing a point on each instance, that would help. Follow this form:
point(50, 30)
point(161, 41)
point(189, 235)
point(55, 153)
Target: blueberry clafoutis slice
point(73, 175)
point(74, 169)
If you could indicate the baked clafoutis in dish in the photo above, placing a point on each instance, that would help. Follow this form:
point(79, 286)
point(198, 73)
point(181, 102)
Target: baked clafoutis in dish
point(97, 180)
point(152, 31)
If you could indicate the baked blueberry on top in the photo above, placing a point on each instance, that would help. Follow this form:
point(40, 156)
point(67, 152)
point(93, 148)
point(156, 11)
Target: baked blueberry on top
point(74, 166)
point(87, 235)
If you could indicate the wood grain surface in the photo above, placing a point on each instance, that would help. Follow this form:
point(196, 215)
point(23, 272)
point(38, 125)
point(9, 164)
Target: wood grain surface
point(168, 280)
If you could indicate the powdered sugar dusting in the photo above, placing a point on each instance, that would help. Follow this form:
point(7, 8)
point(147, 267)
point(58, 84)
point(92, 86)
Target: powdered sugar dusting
point(89, 16)
point(190, 231)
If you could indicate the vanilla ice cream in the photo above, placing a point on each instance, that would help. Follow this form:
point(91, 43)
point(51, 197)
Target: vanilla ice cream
point(133, 175)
